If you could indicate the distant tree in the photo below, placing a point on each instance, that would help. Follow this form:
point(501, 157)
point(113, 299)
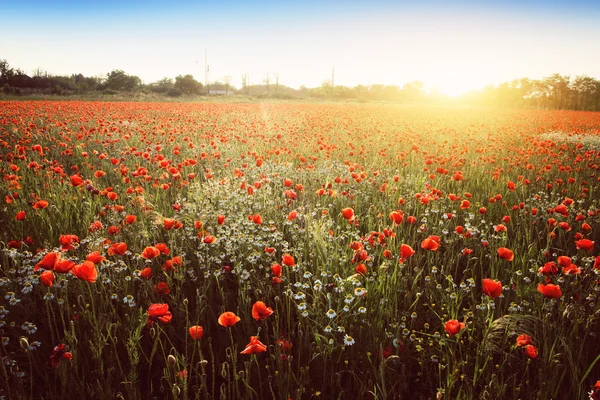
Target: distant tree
point(413, 90)
point(84, 84)
point(6, 72)
point(119, 80)
point(162, 86)
point(227, 82)
point(246, 83)
point(584, 90)
point(266, 82)
point(187, 84)
point(276, 82)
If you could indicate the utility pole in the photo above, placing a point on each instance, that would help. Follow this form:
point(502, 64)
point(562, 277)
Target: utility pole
point(332, 76)
point(206, 71)
point(332, 79)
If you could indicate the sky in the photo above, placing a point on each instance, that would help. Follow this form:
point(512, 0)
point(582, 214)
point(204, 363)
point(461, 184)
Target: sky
point(450, 46)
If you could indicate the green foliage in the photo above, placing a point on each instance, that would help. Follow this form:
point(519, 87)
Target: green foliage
point(118, 80)
point(187, 84)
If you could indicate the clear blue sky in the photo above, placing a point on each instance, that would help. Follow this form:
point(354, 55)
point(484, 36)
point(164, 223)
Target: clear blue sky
point(454, 45)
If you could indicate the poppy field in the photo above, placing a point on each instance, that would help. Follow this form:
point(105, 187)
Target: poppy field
point(298, 251)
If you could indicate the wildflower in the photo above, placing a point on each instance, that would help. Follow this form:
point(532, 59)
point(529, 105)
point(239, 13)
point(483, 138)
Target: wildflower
point(59, 353)
point(506, 254)
point(492, 288)
point(95, 257)
point(161, 288)
point(524, 340)
point(46, 278)
point(288, 260)
point(255, 346)
point(150, 252)
point(331, 313)
point(228, 319)
point(530, 351)
point(431, 243)
point(67, 241)
point(260, 311)
point(159, 312)
point(361, 269)
point(117, 248)
point(550, 291)
point(348, 213)
point(405, 252)
point(48, 262)
point(196, 332)
point(21, 215)
point(585, 244)
point(453, 327)
point(348, 340)
point(85, 271)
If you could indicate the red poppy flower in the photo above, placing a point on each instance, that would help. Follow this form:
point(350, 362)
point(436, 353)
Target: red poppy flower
point(524, 340)
point(59, 353)
point(40, 204)
point(95, 257)
point(159, 312)
point(150, 252)
point(585, 244)
point(430, 243)
point(348, 213)
point(117, 248)
point(21, 215)
point(46, 278)
point(465, 204)
point(85, 271)
point(549, 268)
point(146, 273)
point(228, 319)
point(506, 254)
point(130, 219)
point(530, 351)
point(288, 260)
point(161, 288)
point(260, 311)
point(491, 287)
point(550, 291)
point(257, 219)
point(162, 247)
point(361, 269)
point(48, 262)
point(168, 223)
point(276, 269)
point(453, 327)
point(196, 332)
point(397, 217)
point(255, 346)
point(66, 241)
point(220, 219)
point(63, 266)
point(76, 180)
point(208, 239)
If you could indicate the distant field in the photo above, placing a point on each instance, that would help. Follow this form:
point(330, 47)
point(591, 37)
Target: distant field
point(369, 251)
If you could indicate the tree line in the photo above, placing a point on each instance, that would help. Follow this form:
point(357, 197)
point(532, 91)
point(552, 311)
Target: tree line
point(553, 92)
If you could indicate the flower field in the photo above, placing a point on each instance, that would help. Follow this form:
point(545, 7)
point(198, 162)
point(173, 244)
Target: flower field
point(298, 251)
